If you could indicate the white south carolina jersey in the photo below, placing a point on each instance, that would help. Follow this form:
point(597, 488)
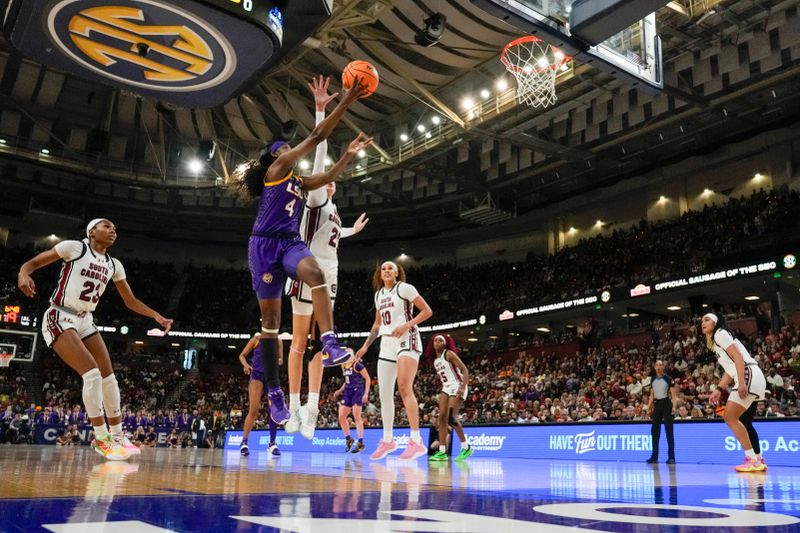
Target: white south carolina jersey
point(321, 229)
point(395, 305)
point(448, 373)
point(722, 341)
point(84, 276)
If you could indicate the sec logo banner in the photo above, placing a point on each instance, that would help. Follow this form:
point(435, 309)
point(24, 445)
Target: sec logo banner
point(184, 52)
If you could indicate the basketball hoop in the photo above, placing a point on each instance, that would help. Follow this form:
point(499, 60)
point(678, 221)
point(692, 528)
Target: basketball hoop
point(5, 359)
point(535, 65)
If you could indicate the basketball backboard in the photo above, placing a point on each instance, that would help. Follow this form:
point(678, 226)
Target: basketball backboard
point(633, 54)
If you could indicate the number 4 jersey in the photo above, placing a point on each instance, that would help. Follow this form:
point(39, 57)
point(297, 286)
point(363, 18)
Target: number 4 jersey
point(84, 276)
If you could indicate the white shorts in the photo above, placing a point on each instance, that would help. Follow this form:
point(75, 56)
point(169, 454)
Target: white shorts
point(301, 293)
point(756, 385)
point(452, 390)
point(409, 345)
point(57, 321)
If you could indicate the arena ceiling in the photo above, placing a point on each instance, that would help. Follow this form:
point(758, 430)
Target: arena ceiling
point(731, 71)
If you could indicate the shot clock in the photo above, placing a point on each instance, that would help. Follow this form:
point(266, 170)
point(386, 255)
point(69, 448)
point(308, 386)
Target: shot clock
point(192, 53)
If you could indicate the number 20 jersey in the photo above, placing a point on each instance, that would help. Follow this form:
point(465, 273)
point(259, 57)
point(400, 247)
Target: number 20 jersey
point(84, 276)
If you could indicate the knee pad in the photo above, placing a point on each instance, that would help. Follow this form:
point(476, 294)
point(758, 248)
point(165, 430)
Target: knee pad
point(93, 393)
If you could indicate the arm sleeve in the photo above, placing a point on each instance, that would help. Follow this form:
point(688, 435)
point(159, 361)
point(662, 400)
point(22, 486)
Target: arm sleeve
point(723, 338)
point(408, 292)
point(347, 232)
point(317, 197)
point(119, 271)
point(69, 250)
point(359, 366)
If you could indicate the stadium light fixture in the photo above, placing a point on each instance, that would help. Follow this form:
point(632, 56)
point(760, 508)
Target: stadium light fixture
point(543, 330)
point(467, 103)
point(436, 120)
point(758, 176)
point(195, 165)
point(633, 315)
point(304, 164)
point(231, 346)
point(403, 256)
point(138, 342)
point(3, 141)
point(45, 151)
point(662, 199)
point(421, 128)
point(572, 230)
point(485, 93)
point(599, 223)
point(674, 308)
point(175, 345)
point(502, 84)
point(428, 135)
point(472, 339)
point(707, 192)
point(362, 153)
point(752, 298)
point(328, 161)
point(403, 137)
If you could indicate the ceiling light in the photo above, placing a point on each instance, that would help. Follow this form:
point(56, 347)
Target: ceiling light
point(565, 67)
point(362, 153)
point(502, 84)
point(467, 103)
point(328, 161)
point(758, 176)
point(704, 306)
point(572, 229)
point(420, 128)
point(175, 344)
point(365, 180)
point(662, 199)
point(436, 120)
point(2, 141)
point(195, 165)
point(472, 339)
point(674, 308)
point(403, 137)
point(231, 346)
point(752, 298)
point(358, 166)
point(485, 93)
point(304, 164)
point(138, 342)
point(633, 315)
point(542, 62)
point(428, 135)
point(706, 192)
point(543, 330)
point(598, 223)
point(45, 151)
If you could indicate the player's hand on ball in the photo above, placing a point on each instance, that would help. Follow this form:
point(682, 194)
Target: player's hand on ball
point(359, 143)
point(355, 92)
point(360, 223)
point(26, 285)
point(319, 88)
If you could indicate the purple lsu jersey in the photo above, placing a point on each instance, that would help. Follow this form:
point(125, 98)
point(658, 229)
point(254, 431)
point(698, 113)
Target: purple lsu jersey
point(352, 376)
point(280, 206)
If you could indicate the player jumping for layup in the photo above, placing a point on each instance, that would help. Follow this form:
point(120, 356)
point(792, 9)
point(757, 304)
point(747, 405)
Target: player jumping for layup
point(321, 229)
point(275, 248)
point(68, 327)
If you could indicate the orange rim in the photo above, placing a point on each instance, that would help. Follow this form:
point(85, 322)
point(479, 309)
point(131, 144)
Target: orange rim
point(531, 39)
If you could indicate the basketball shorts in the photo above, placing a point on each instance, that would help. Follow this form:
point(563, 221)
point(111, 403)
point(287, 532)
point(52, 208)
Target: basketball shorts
point(756, 385)
point(57, 321)
point(271, 260)
point(257, 374)
point(352, 397)
point(301, 292)
point(451, 389)
point(409, 345)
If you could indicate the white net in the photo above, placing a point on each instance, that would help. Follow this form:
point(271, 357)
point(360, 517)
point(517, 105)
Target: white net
point(535, 65)
point(5, 359)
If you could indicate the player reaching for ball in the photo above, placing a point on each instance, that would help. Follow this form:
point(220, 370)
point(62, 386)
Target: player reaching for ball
point(275, 248)
point(321, 229)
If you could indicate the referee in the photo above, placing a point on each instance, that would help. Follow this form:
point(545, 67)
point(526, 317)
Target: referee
point(661, 388)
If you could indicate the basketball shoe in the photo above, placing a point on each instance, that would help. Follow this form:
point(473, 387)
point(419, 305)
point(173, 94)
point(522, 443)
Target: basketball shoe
point(110, 449)
point(413, 450)
point(384, 449)
point(277, 407)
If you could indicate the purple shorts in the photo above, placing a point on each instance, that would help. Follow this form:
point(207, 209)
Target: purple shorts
point(271, 260)
point(258, 367)
point(352, 397)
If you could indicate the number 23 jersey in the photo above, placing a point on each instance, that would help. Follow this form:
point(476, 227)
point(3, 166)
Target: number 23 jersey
point(84, 276)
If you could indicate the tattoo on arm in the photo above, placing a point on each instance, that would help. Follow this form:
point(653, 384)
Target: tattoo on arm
point(373, 334)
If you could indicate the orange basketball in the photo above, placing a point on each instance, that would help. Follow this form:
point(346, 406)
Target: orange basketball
point(363, 70)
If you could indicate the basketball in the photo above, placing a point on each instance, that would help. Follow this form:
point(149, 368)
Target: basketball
point(363, 70)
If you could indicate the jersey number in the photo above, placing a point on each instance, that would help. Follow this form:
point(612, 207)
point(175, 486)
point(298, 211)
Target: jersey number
point(89, 288)
point(290, 208)
point(443, 375)
point(386, 316)
point(334, 237)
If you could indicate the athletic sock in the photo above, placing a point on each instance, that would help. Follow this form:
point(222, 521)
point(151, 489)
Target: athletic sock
point(415, 436)
point(294, 401)
point(465, 445)
point(443, 448)
point(313, 401)
point(750, 453)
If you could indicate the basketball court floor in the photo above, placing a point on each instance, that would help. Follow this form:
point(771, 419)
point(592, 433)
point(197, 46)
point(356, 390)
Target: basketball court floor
point(69, 490)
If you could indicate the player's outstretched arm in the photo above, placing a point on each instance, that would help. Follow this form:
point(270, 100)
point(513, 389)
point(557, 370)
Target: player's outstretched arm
point(137, 306)
point(316, 181)
point(24, 279)
point(287, 161)
point(357, 228)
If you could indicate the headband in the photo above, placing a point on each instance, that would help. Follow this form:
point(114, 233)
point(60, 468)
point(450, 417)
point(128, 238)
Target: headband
point(92, 224)
point(274, 146)
point(712, 316)
point(440, 337)
point(391, 263)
